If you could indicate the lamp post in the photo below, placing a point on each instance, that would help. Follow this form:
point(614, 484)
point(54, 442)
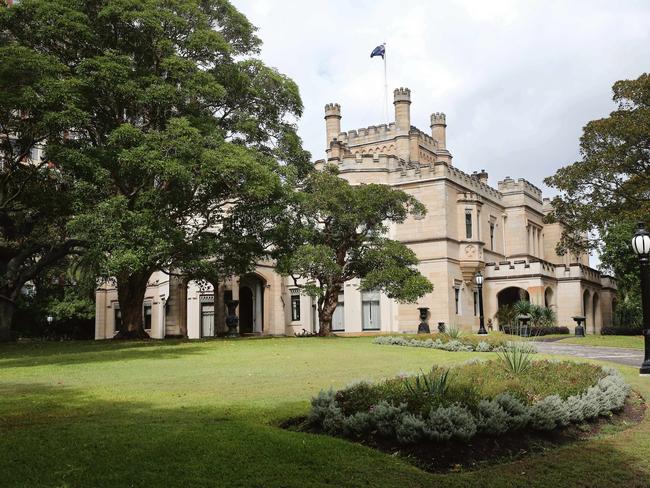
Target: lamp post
point(478, 279)
point(641, 246)
point(50, 319)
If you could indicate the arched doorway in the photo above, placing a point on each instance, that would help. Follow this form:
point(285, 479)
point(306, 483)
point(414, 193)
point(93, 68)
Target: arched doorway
point(511, 295)
point(586, 310)
point(596, 317)
point(549, 297)
point(506, 298)
point(251, 304)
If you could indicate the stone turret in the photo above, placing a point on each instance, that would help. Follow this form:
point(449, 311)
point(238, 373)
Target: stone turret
point(332, 122)
point(439, 129)
point(402, 102)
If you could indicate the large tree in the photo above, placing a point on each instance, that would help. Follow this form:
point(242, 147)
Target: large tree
point(336, 232)
point(606, 192)
point(611, 181)
point(185, 138)
point(38, 102)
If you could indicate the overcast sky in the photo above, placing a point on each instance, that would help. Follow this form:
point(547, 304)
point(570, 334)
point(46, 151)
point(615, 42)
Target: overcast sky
point(517, 79)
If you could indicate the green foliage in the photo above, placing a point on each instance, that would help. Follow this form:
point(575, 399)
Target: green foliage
point(609, 184)
point(445, 342)
point(516, 359)
point(181, 139)
point(454, 331)
point(412, 410)
point(432, 386)
point(335, 232)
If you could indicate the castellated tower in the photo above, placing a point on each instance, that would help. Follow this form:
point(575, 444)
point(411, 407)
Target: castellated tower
point(402, 102)
point(332, 122)
point(439, 129)
point(399, 140)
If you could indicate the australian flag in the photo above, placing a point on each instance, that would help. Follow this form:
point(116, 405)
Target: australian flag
point(379, 51)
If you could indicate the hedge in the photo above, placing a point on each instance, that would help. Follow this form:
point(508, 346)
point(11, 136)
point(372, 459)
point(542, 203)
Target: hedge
point(455, 345)
point(538, 331)
point(624, 331)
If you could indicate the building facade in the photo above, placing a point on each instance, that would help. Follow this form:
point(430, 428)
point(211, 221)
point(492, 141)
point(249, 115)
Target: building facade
point(469, 226)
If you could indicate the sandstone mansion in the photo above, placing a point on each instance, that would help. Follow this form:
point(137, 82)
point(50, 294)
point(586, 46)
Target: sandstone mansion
point(469, 226)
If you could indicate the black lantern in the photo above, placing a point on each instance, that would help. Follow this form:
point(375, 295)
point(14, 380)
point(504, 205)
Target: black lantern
point(478, 279)
point(641, 246)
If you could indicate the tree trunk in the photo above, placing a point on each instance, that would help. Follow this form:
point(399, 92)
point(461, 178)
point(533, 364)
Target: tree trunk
point(330, 301)
point(7, 309)
point(130, 294)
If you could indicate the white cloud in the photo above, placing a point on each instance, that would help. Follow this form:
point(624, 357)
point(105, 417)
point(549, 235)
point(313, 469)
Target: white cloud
point(518, 80)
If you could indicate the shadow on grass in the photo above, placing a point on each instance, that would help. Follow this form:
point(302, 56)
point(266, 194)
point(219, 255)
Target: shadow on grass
point(60, 436)
point(63, 353)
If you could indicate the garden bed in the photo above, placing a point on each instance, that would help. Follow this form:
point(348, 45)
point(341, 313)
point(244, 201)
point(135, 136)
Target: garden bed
point(460, 417)
point(458, 343)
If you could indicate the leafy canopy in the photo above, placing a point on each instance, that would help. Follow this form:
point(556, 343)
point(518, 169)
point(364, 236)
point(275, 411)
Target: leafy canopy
point(339, 234)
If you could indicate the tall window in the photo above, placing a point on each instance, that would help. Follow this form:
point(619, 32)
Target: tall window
point(457, 299)
point(207, 317)
point(492, 236)
point(468, 224)
point(295, 305)
point(147, 316)
point(338, 322)
point(117, 319)
point(370, 310)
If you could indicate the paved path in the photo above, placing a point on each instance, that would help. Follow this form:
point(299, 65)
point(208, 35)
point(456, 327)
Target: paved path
point(629, 357)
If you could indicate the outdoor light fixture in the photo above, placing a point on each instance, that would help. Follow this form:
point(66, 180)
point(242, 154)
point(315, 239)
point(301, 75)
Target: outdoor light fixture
point(641, 246)
point(50, 319)
point(478, 279)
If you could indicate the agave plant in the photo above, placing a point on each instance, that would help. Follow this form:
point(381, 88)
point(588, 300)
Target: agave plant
point(516, 358)
point(431, 385)
point(453, 331)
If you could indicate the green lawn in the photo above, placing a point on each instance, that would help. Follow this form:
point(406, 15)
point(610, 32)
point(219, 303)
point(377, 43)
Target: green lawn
point(205, 414)
point(630, 342)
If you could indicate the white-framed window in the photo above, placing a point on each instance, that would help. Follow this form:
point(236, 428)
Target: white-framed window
point(371, 318)
point(338, 318)
point(146, 312)
point(295, 304)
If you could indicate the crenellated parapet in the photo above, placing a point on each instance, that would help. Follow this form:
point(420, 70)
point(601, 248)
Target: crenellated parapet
point(332, 110)
point(521, 185)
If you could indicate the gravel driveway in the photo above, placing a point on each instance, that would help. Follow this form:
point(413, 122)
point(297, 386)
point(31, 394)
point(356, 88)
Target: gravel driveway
point(629, 357)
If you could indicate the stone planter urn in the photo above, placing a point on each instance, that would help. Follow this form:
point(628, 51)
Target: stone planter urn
point(580, 330)
point(232, 321)
point(441, 327)
point(423, 328)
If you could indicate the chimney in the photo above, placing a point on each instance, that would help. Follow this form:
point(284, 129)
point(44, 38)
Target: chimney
point(439, 129)
point(332, 122)
point(402, 102)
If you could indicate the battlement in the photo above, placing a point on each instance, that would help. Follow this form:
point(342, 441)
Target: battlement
point(365, 135)
point(438, 118)
point(472, 182)
point(402, 95)
point(332, 109)
point(509, 185)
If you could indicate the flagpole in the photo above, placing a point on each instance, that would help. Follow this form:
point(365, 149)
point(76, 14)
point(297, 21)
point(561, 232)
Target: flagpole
point(385, 88)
